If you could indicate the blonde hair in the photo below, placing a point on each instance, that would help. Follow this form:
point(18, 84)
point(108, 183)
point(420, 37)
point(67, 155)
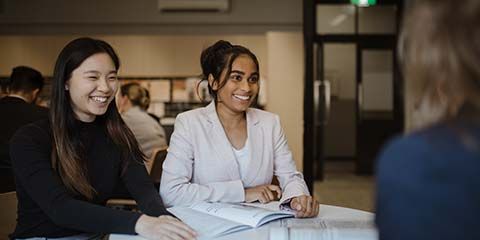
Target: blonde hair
point(439, 49)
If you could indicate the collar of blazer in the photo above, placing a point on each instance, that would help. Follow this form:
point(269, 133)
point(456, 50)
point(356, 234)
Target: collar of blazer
point(225, 151)
point(211, 113)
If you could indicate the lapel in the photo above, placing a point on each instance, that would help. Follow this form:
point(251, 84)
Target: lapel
point(255, 141)
point(220, 141)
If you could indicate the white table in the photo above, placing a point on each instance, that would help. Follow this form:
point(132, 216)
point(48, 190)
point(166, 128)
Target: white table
point(333, 223)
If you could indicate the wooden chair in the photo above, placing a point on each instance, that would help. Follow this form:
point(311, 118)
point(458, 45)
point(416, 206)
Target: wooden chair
point(8, 214)
point(159, 156)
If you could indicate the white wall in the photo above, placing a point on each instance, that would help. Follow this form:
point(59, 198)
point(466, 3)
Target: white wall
point(280, 55)
point(140, 55)
point(285, 86)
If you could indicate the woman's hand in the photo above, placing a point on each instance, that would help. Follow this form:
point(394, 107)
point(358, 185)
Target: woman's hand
point(306, 206)
point(163, 228)
point(262, 193)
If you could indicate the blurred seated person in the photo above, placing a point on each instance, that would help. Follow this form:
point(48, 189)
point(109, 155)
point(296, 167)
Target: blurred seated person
point(18, 108)
point(429, 181)
point(147, 131)
point(146, 105)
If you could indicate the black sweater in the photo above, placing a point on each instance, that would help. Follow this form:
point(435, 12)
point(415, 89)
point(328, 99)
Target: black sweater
point(47, 209)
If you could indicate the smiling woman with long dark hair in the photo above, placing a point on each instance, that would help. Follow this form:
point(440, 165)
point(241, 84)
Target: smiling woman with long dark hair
point(66, 167)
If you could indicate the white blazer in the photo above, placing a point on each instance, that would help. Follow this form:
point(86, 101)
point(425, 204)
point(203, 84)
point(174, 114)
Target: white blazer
point(201, 165)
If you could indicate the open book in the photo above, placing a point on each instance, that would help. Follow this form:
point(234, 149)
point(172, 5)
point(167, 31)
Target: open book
point(216, 219)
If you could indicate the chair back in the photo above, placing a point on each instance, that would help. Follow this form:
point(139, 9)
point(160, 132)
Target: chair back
point(158, 156)
point(157, 167)
point(8, 214)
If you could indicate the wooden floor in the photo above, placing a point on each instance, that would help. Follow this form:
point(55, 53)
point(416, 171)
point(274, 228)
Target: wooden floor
point(342, 187)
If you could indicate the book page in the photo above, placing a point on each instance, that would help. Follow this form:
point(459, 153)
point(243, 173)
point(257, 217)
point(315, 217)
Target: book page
point(125, 237)
point(245, 214)
point(206, 225)
point(324, 224)
point(277, 233)
point(316, 228)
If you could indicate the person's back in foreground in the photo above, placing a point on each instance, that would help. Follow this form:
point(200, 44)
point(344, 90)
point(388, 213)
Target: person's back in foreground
point(428, 181)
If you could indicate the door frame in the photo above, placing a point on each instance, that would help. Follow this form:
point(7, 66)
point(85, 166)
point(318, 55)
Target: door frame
point(389, 43)
point(313, 144)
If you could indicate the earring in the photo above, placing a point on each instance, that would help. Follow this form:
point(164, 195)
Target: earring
point(66, 87)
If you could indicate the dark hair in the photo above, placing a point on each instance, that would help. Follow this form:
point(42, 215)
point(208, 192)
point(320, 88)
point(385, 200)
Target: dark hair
point(25, 79)
point(146, 103)
point(4, 82)
point(440, 59)
point(135, 93)
point(219, 57)
point(67, 159)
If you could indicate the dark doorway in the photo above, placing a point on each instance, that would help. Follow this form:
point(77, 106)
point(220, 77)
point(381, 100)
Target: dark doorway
point(357, 99)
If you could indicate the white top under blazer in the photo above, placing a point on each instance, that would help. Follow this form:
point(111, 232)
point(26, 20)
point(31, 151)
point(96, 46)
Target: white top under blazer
point(243, 159)
point(201, 164)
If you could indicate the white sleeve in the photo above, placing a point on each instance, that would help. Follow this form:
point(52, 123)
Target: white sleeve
point(176, 187)
point(291, 180)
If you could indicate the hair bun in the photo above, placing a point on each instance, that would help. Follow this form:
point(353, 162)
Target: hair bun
point(212, 55)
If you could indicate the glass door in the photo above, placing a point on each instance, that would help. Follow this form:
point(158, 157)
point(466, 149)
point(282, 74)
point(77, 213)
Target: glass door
point(378, 104)
point(343, 113)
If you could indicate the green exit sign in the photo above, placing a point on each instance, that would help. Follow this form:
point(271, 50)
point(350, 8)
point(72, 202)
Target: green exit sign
point(364, 3)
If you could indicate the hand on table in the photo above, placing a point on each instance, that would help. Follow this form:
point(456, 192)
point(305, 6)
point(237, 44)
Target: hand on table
point(306, 206)
point(163, 228)
point(263, 193)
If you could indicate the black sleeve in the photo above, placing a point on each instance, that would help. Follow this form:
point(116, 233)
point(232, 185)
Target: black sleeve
point(141, 187)
point(30, 151)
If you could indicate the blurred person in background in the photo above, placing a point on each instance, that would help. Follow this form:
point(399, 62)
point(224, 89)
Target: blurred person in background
point(18, 109)
point(131, 102)
point(429, 181)
point(146, 105)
